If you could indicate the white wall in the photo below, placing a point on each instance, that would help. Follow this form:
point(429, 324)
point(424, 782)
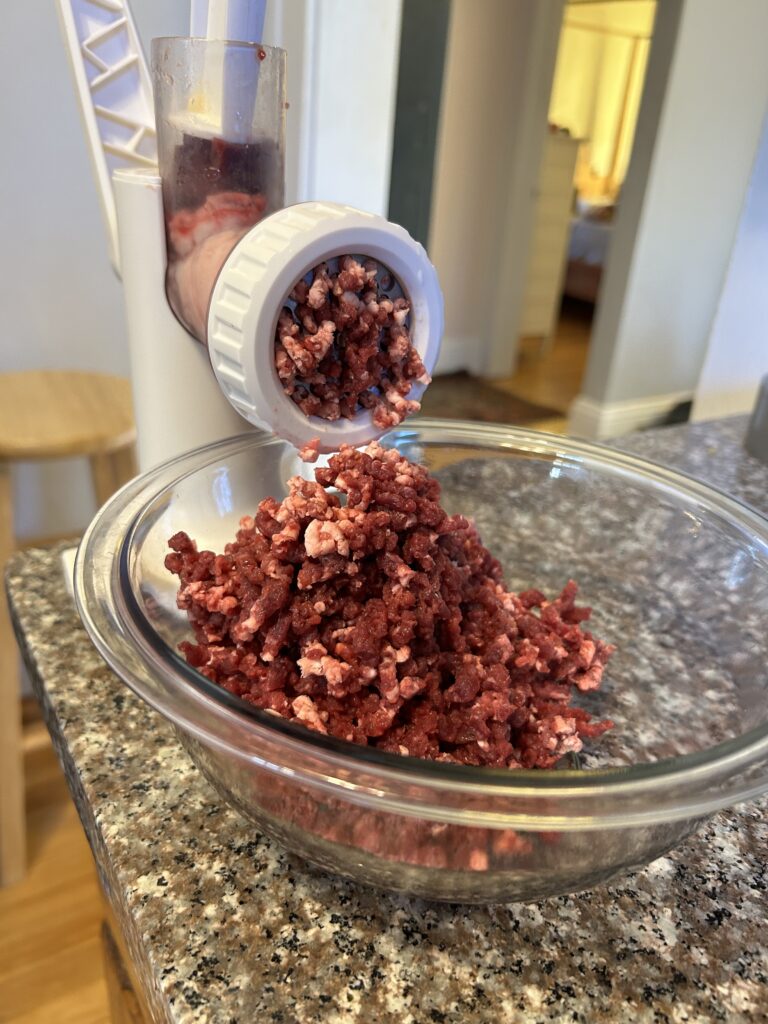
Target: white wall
point(493, 120)
point(737, 354)
point(60, 303)
point(694, 149)
point(348, 80)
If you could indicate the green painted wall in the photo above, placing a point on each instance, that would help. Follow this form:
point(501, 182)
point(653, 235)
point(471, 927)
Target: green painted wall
point(419, 89)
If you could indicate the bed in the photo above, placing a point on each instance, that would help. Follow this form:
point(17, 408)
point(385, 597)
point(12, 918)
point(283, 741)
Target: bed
point(590, 237)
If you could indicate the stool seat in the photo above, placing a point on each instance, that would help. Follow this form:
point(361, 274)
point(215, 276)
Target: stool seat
point(46, 414)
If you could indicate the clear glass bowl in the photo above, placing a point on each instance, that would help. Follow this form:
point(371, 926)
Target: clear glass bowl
point(677, 575)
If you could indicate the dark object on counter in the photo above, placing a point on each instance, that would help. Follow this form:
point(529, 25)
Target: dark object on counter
point(756, 441)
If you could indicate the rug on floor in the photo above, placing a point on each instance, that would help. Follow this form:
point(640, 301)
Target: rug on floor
point(459, 396)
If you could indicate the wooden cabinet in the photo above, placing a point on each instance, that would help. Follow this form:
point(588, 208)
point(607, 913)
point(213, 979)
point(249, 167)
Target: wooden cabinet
point(549, 239)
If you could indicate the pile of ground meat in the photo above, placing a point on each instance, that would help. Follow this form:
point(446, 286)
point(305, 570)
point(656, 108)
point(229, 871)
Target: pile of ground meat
point(360, 608)
point(342, 345)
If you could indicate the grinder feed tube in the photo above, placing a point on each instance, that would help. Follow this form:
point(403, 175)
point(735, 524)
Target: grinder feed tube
point(222, 169)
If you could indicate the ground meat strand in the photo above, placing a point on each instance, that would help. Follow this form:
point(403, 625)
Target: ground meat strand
point(384, 621)
point(347, 347)
point(310, 451)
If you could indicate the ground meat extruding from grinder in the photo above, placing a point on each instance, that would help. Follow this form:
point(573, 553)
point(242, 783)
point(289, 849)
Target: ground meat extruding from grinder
point(310, 451)
point(347, 347)
point(384, 621)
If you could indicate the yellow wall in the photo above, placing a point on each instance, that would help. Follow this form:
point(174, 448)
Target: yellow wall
point(598, 83)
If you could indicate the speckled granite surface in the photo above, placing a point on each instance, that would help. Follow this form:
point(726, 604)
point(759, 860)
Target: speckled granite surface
point(224, 927)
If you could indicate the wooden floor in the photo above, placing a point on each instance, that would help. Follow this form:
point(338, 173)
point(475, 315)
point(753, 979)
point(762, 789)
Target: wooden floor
point(50, 953)
point(554, 379)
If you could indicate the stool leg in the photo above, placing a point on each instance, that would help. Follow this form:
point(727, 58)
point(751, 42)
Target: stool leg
point(13, 825)
point(110, 470)
point(124, 466)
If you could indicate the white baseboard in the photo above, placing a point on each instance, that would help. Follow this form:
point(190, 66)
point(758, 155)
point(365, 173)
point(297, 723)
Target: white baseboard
point(456, 353)
point(710, 405)
point(596, 420)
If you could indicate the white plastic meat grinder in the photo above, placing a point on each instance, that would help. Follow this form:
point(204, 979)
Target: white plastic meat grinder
point(190, 176)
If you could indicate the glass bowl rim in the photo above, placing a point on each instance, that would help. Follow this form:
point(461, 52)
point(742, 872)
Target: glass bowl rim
point(719, 759)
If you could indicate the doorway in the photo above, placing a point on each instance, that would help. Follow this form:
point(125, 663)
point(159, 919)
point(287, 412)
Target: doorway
point(594, 103)
point(571, 114)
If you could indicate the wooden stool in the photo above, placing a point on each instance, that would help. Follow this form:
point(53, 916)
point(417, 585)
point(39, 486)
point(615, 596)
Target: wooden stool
point(48, 415)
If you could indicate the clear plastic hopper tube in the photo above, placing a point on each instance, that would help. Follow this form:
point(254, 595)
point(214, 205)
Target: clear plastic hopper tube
point(222, 168)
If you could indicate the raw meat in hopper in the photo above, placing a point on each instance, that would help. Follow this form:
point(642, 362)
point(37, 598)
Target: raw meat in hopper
point(199, 242)
point(216, 192)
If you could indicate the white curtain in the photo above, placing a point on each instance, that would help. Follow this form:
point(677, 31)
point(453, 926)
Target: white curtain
point(597, 89)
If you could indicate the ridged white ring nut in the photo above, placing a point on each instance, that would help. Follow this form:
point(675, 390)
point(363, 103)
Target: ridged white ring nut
point(252, 288)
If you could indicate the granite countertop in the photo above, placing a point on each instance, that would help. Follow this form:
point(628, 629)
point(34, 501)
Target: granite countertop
point(225, 927)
